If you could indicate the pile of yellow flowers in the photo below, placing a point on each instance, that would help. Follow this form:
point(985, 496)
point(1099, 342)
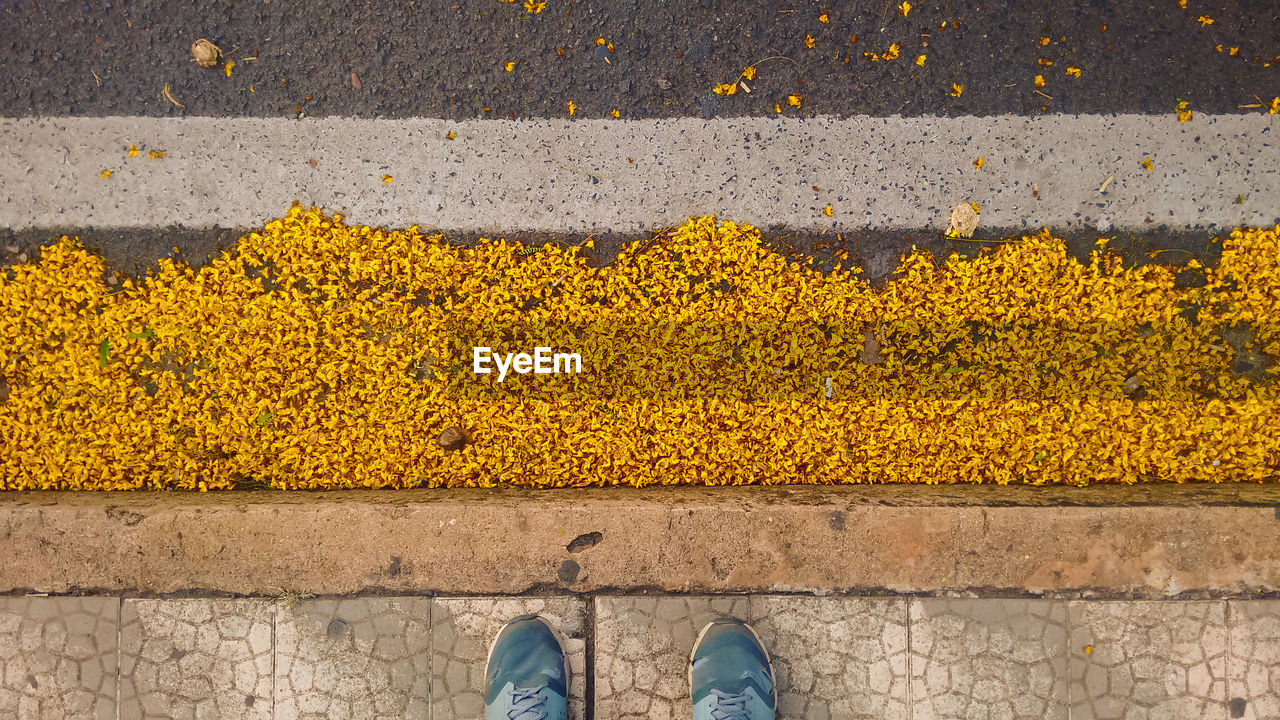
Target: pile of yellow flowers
point(321, 355)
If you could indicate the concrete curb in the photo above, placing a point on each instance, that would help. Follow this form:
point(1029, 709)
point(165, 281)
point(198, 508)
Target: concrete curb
point(1146, 541)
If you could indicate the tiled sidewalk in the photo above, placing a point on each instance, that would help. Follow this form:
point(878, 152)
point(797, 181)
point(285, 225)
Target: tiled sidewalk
point(836, 657)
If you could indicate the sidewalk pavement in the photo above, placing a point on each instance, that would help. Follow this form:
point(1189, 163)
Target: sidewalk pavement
point(107, 657)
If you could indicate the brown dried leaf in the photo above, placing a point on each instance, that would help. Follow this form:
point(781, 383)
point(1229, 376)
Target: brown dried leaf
point(964, 220)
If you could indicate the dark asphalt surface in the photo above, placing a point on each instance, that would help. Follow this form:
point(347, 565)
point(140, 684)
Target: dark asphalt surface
point(438, 59)
point(132, 251)
point(446, 60)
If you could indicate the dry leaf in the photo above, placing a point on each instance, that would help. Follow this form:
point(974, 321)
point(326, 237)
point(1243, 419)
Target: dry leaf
point(964, 220)
point(205, 53)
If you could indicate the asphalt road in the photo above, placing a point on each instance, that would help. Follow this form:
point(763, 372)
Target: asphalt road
point(447, 59)
point(1112, 77)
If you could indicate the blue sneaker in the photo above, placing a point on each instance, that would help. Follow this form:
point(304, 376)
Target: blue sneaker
point(527, 676)
point(731, 674)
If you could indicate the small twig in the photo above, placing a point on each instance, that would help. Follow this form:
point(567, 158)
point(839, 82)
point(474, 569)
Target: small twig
point(1044, 95)
point(96, 78)
point(583, 172)
point(777, 57)
point(168, 95)
point(1106, 184)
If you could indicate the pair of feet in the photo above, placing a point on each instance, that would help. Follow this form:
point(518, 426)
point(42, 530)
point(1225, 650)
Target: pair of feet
point(527, 677)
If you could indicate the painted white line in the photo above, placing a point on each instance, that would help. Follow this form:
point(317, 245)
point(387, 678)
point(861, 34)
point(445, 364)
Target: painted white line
point(597, 175)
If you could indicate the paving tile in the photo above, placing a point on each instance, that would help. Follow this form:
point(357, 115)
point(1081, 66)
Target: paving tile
point(1253, 661)
point(1141, 660)
point(367, 658)
point(836, 657)
point(642, 647)
point(833, 657)
point(58, 657)
point(196, 658)
point(997, 658)
point(463, 628)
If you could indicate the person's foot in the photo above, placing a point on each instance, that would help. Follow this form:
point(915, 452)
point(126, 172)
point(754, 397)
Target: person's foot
point(527, 676)
point(731, 674)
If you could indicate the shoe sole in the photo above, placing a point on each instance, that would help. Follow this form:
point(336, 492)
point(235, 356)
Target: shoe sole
point(568, 676)
point(768, 659)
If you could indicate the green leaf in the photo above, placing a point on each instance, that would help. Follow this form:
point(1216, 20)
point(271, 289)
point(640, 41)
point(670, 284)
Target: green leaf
point(104, 349)
point(265, 419)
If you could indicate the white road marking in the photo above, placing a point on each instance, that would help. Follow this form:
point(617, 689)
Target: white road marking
point(619, 175)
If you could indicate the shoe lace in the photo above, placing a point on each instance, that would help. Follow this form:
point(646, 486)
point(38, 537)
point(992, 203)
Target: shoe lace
point(527, 704)
point(729, 706)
